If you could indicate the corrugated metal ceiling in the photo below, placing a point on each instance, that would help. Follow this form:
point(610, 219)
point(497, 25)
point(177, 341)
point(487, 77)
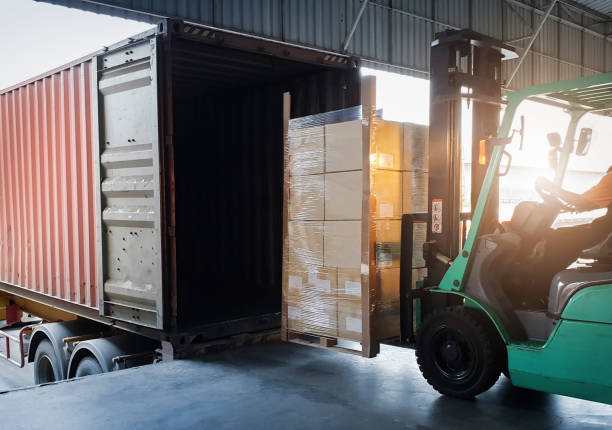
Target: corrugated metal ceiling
point(396, 34)
point(601, 6)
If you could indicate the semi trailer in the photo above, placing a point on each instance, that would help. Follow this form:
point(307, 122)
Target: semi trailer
point(141, 195)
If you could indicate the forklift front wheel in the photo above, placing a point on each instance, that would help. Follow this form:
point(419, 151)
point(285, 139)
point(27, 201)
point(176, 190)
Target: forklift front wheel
point(457, 354)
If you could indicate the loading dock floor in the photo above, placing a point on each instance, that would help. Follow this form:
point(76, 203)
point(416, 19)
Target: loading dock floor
point(286, 386)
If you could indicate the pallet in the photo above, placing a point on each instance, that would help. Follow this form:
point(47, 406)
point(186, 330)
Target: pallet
point(319, 341)
point(218, 345)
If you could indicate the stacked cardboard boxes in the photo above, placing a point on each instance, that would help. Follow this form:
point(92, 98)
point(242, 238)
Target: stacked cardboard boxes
point(399, 186)
point(326, 225)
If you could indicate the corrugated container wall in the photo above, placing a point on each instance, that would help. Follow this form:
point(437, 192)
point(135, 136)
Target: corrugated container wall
point(396, 34)
point(98, 218)
point(47, 191)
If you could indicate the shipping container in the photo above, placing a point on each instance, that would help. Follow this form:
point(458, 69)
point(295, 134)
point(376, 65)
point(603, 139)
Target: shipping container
point(142, 186)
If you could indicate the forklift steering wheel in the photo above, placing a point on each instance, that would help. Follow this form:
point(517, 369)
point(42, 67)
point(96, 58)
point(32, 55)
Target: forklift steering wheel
point(549, 194)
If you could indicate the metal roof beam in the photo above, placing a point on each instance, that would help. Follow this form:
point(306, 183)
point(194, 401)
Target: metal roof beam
point(533, 38)
point(444, 24)
point(349, 36)
point(584, 9)
point(556, 18)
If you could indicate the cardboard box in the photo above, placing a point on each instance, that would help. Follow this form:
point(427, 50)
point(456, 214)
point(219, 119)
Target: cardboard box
point(349, 283)
point(305, 243)
point(342, 244)
point(387, 320)
point(387, 146)
point(306, 197)
point(304, 279)
point(388, 230)
point(387, 254)
point(388, 243)
point(344, 146)
point(343, 195)
point(349, 319)
point(386, 189)
point(313, 316)
point(416, 144)
point(306, 151)
point(388, 285)
point(414, 190)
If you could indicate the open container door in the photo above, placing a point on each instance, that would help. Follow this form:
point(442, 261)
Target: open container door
point(129, 221)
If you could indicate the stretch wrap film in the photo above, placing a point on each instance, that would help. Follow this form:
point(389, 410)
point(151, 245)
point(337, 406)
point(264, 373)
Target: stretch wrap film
point(331, 210)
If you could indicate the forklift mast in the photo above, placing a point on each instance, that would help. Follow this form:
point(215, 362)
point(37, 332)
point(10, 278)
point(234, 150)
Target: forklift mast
point(465, 65)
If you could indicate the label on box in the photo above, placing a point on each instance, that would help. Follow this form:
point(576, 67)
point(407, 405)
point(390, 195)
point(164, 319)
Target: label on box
point(295, 282)
point(353, 324)
point(323, 285)
point(385, 161)
point(388, 252)
point(293, 312)
point(385, 210)
point(352, 288)
point(385, 263)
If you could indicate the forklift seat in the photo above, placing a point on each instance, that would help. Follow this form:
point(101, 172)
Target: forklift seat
point(568, 282)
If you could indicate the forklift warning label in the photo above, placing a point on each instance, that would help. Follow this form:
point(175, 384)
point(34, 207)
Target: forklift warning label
point(436, 216)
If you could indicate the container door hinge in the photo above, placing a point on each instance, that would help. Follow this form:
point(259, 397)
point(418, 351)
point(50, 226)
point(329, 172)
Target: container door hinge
point(169, 140)
point(171, 231)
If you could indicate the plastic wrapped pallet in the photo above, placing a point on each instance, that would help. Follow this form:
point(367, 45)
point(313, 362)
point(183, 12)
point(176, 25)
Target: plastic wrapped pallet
point(332, 209)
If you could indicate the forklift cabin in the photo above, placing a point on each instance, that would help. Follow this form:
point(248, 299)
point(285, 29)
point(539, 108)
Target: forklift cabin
point(558, 341)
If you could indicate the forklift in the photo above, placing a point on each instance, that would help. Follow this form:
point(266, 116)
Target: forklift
point(475, 320)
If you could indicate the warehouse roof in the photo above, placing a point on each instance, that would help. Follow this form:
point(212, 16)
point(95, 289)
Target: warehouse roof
point(603, 7)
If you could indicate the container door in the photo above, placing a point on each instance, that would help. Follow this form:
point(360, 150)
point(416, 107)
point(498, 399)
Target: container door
point(130, 250)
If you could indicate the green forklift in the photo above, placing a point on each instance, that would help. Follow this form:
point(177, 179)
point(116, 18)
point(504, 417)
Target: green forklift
point(560, 339)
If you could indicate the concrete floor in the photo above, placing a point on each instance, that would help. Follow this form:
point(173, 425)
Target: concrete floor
point(286, 386)
point(12, 376)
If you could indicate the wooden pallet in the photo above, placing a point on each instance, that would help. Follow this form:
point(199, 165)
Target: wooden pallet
point(319, 341)
point(217, 345)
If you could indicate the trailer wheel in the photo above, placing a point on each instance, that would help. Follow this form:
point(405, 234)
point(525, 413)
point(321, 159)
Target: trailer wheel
point(46, 364)
point(88, 366)
point(456, 353)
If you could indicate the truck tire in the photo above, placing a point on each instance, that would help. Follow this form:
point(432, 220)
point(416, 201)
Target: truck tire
point(46, 364)
point(457, 354)
point(88, 366)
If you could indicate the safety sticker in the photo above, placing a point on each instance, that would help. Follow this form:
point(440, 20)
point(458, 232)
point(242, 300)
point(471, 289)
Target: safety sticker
point(436, 216)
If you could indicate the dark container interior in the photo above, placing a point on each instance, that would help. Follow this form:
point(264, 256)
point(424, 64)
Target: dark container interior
point(228, 147)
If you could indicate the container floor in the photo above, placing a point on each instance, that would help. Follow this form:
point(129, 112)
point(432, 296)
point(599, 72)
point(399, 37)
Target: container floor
point(286, 386)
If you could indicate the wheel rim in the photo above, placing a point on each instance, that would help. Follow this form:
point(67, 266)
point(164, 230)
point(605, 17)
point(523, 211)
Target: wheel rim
point(45, 370)
point(454, 355)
